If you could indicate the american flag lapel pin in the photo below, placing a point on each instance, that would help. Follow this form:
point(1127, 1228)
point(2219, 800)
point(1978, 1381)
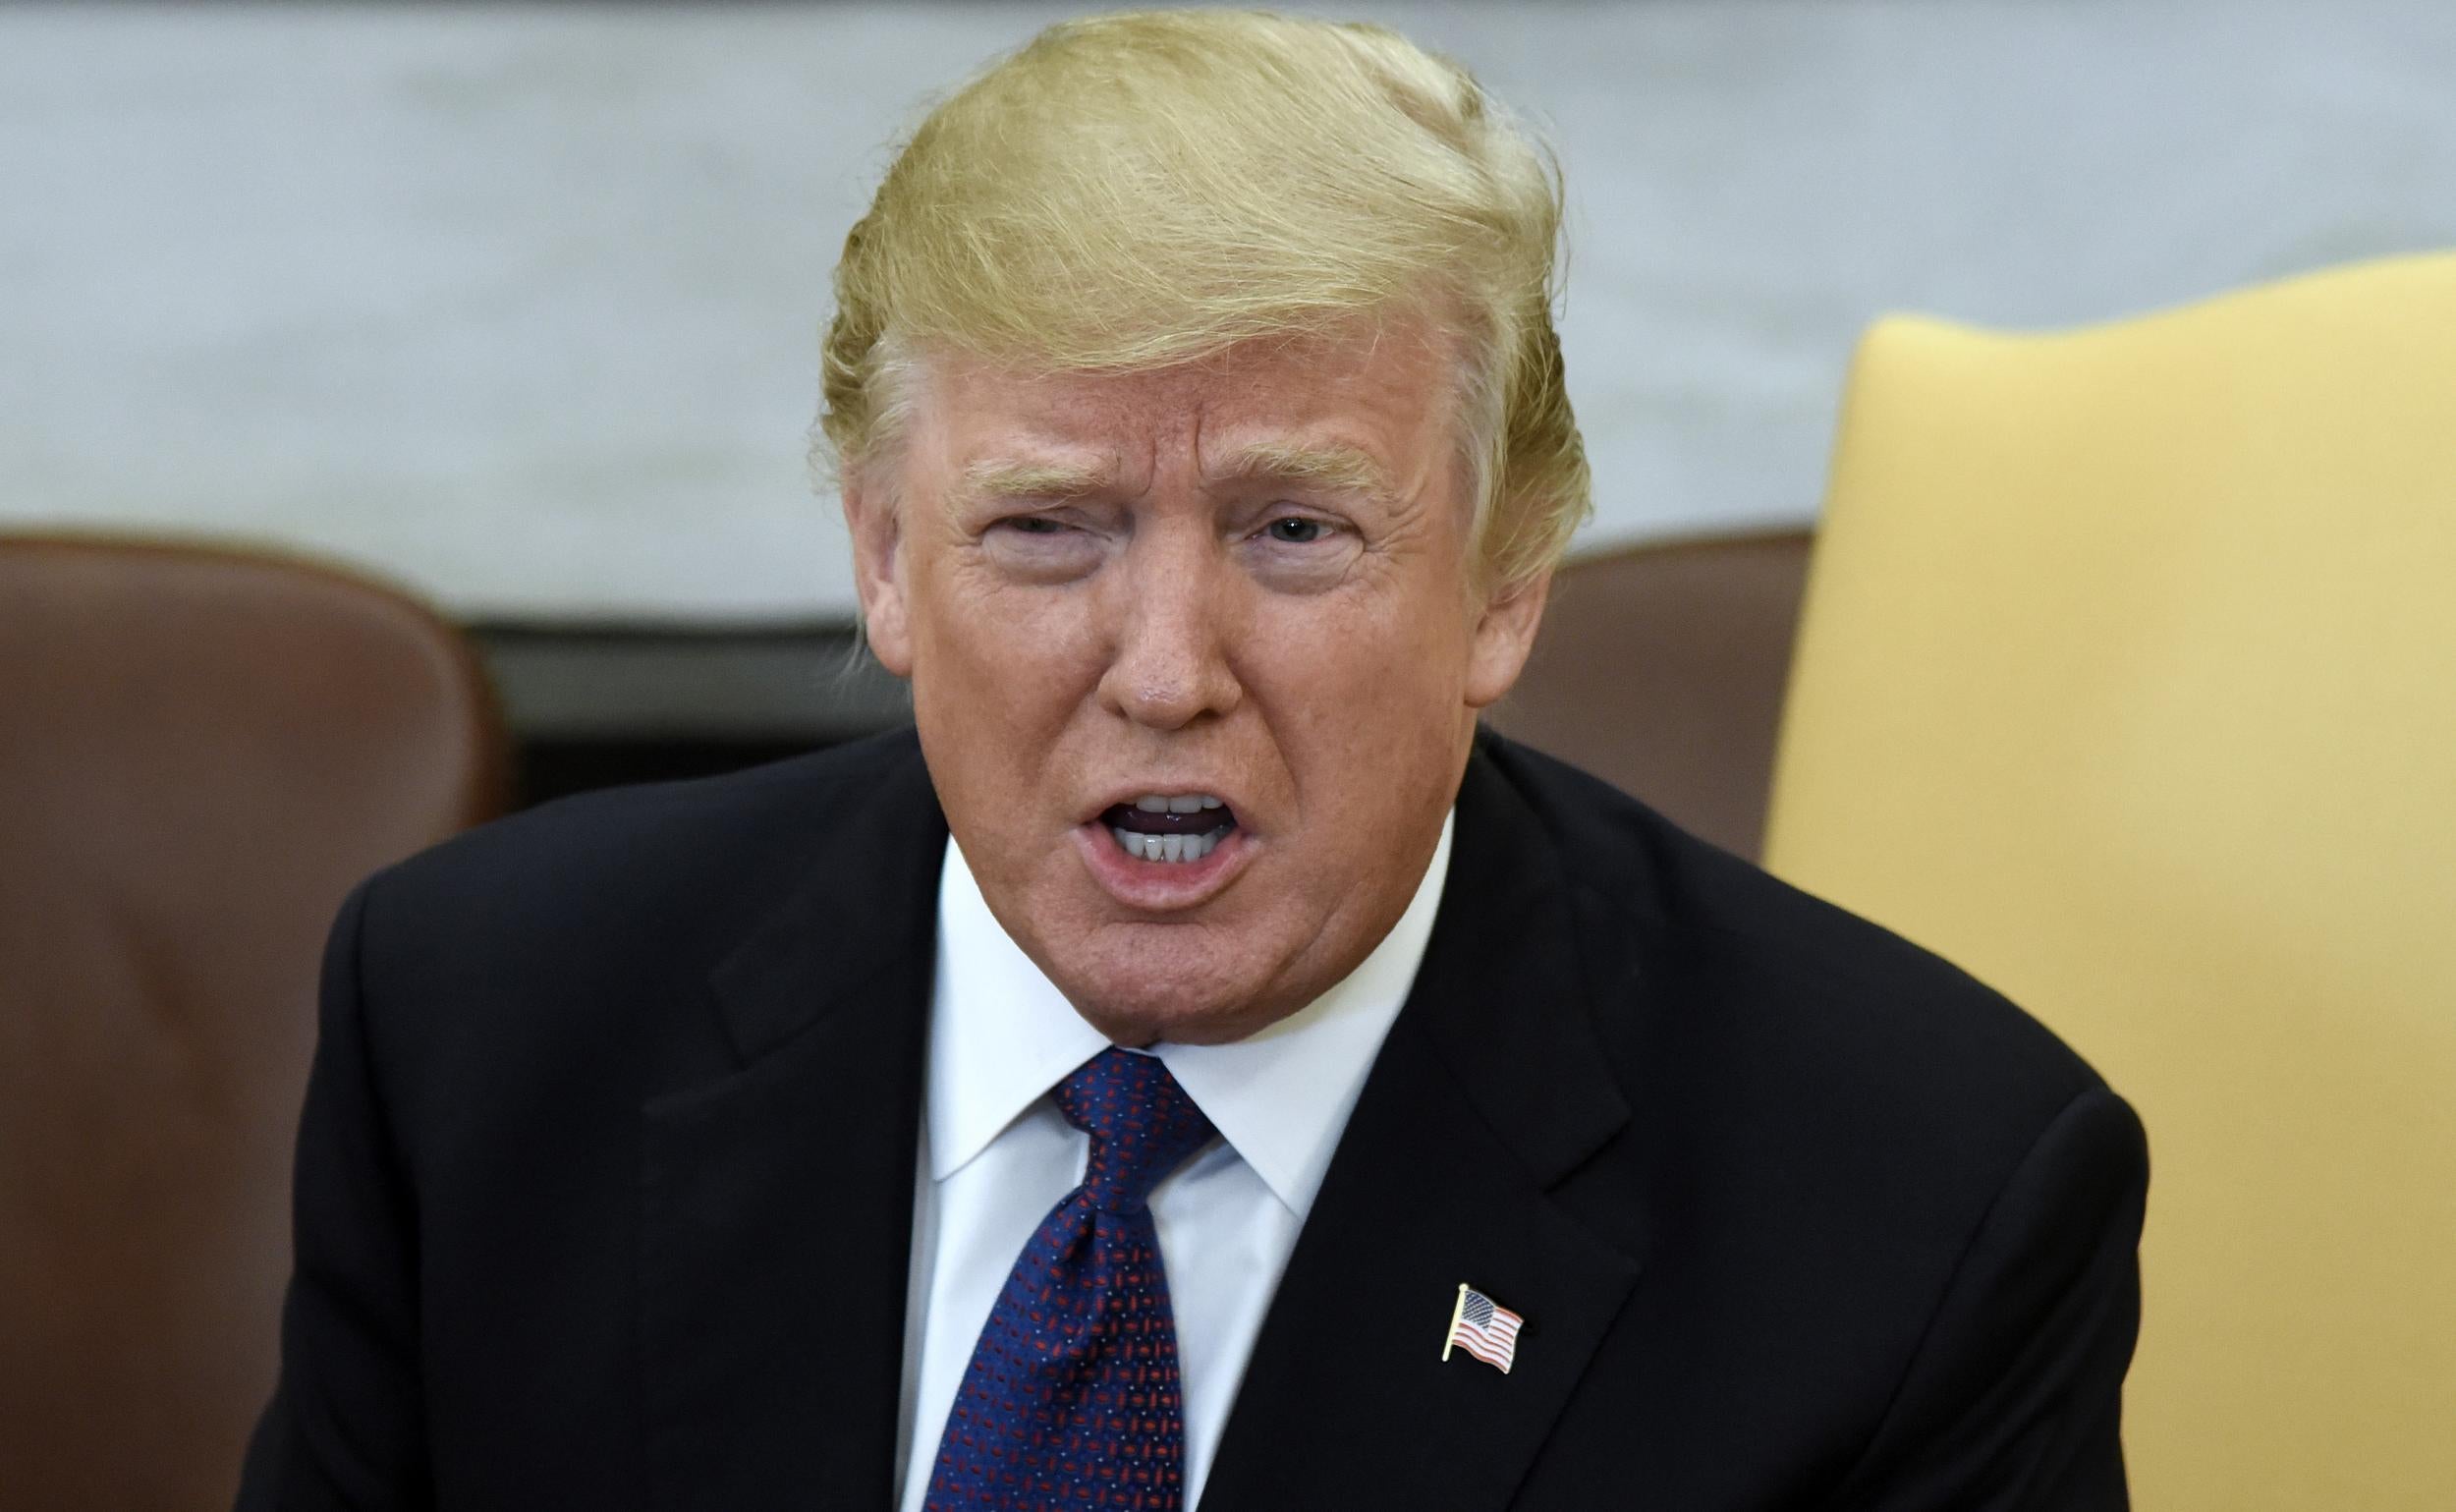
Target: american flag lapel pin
point(1484, 1328)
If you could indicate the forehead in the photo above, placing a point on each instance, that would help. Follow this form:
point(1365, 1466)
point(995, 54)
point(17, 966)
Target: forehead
point(1383, 391)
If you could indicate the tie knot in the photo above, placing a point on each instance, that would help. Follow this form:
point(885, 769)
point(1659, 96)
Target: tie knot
point(1142, 1124)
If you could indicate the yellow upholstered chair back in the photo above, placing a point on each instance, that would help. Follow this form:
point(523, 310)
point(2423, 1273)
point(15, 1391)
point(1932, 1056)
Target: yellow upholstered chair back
point(2127, 679)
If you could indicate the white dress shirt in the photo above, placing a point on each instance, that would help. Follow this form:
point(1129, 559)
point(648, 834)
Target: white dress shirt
point(996, 1155)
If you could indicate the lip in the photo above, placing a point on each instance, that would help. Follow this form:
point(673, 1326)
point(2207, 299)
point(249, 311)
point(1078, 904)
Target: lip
point(1161, 886)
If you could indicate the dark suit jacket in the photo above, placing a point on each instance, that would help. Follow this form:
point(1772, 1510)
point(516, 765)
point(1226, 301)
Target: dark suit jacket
point(607, 1179)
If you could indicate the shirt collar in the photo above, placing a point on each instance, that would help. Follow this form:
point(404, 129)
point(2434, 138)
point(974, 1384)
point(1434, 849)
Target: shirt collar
point(1002, 1035)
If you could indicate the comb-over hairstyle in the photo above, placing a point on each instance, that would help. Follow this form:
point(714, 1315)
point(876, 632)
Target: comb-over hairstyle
point(1136, 190)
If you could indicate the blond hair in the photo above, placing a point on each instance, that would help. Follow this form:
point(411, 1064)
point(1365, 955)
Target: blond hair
point(1136, 190)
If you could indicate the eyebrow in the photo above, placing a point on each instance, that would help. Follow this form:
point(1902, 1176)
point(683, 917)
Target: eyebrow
point(1337, 468)
point(1334, 466)
point(1050, 481)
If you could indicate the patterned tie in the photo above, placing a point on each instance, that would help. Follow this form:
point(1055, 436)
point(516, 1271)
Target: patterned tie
point(1071, 1398)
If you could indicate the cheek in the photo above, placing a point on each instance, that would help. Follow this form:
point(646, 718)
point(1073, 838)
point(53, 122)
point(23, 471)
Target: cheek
point(996, 679)
point(1398, 646)
point(1367, 700)
point(1013, 654)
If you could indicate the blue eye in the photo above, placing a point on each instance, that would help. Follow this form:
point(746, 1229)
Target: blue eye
point(1294, 531)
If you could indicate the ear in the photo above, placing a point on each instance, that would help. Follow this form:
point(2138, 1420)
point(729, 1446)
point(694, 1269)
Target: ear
point(870, 518)
point(1504, 635)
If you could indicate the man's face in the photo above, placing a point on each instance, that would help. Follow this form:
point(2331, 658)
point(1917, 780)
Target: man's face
point(1240, 586)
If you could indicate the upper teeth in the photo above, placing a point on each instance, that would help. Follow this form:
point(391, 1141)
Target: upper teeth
point(1176, 803)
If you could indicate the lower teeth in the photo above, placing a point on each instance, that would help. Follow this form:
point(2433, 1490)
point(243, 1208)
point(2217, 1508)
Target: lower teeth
point(1169, 848)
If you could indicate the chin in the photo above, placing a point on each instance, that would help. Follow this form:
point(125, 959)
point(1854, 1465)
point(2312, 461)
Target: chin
point(1138, 996)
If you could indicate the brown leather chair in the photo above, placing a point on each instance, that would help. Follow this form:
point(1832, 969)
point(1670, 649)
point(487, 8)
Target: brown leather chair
point(1661, 669)
point(199, 751)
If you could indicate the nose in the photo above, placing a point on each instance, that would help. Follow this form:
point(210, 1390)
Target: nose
point(1169, 605)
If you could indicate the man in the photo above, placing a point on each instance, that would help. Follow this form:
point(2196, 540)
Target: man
point(1195, 1064)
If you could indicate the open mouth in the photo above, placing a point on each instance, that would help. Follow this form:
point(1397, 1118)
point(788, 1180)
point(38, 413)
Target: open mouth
point(1177, 828)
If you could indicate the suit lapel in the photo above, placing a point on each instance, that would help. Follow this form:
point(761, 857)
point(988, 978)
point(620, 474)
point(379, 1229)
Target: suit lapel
point(1488, 1092)
point(777, 1200)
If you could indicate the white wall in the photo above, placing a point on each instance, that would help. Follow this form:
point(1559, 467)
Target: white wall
point(520, 303)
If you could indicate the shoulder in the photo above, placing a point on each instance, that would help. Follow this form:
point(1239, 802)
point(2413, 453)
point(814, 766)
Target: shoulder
point(1773, 1019)
point(595, 922)
point(1853, 1170)
point(670, 852)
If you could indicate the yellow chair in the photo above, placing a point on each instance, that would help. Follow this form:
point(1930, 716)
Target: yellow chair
point(2127, 679)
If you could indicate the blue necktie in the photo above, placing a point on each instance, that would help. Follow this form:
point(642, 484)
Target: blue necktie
point(1071, 1400)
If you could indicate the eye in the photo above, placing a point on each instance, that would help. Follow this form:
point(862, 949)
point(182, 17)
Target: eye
point(1298, 550)
point(1044, 548)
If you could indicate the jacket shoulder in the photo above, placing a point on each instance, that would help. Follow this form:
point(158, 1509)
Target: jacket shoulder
point(650, 851)
point(1700, 958)
point(595, 923)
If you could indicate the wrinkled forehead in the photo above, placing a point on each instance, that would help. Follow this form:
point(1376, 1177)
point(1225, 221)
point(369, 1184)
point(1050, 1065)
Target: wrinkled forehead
point(1369, 409)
